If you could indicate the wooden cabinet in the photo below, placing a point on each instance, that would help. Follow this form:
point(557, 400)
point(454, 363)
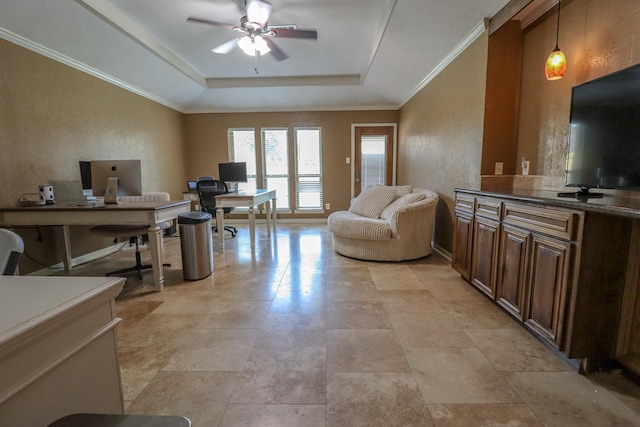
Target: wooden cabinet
point(486, 239)
point(548, 284)
point(569, 270)
point(484, 255)
point(512, 269)
point(521, 257)
point(463, 235)
point(628, 345)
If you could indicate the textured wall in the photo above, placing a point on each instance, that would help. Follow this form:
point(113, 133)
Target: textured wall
point(52, 116)
point(598, 37)
point(440, 134)
point(207, 142)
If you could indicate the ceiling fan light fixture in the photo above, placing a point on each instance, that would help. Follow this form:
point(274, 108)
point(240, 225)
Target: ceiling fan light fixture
point(252, 45)
point(258, 11)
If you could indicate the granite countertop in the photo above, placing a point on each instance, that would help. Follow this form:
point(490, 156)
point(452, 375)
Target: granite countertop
point(608, 204)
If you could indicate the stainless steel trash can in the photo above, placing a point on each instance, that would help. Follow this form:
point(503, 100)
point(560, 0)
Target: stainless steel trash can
point(196, 244)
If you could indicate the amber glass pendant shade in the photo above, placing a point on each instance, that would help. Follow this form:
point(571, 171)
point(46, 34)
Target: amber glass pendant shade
point(556, 65)
point(556, 62)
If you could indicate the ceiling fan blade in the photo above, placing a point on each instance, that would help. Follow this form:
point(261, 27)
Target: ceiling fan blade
point(258, 11)
point(226, 47)
point(209, 22)
point(296, 34)
point(277, 53)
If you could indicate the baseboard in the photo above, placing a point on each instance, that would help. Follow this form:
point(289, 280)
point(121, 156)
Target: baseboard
point(228, 221)
point(442, 251)
point(82, 259)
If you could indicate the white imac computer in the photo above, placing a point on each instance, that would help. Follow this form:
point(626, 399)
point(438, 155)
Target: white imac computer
point(112, 178)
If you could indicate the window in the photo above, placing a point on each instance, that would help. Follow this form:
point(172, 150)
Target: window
point(242, 148)
point(275, 150)
point(308, 145)
point(373, 160)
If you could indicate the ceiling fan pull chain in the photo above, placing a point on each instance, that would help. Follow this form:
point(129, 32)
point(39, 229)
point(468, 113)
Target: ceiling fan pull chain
point(256, 57)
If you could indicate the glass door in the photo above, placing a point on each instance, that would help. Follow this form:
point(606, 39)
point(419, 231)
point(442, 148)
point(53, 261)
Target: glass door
point(373, 156)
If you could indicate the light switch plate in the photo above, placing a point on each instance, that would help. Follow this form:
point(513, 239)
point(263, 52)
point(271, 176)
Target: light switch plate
point(499, 166)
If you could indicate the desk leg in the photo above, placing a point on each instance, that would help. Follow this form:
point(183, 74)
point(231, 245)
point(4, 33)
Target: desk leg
point(273, 212)
point(66, 248)
point(155, 243)
point(220, 227)
point(267, 207)
point(252, 226)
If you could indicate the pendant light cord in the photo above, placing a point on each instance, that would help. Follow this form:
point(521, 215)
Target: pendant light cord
point(558, 26)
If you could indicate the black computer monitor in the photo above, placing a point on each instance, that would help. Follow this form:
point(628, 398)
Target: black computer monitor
point(128, 173)
point(85, 178)
point(232, 172)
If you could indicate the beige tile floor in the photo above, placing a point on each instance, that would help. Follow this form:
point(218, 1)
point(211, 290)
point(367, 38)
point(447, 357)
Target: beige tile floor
point(296, 335)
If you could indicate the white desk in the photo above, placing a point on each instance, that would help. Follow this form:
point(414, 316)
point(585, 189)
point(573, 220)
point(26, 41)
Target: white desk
point(58, 350)
point(66, 214)
point(246, 199)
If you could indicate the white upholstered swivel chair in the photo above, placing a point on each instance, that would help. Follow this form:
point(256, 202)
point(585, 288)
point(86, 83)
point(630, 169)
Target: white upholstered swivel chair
point(133, 232)
point(11, 247)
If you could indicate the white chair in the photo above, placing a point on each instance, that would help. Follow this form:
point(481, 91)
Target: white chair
point(11, 247)
point(133, 232)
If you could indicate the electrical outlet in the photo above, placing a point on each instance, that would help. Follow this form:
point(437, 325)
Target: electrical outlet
point(327, 206)
point(525, 166)
point(499, 166)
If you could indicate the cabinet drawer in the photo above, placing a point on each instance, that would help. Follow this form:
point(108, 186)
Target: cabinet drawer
point(465, 203)
point(489, 208)
point(552, 222)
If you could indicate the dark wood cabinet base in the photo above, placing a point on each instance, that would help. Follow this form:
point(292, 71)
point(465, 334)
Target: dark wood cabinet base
point(568, 270)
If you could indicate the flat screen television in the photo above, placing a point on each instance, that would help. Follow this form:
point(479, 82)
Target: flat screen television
point(604, 134)
point(232, 172)
point(127, 172)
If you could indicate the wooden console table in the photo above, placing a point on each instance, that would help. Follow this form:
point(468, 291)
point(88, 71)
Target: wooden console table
point(58, 352)
point(568, 269)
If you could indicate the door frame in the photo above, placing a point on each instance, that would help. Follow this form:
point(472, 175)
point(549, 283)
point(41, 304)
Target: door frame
point(353, 151)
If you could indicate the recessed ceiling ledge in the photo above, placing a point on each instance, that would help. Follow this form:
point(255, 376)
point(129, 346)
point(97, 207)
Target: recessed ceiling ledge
point(235, 82)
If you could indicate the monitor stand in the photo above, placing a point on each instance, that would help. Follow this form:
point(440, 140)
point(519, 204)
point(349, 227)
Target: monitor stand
point(111, 192)
point(583, 193)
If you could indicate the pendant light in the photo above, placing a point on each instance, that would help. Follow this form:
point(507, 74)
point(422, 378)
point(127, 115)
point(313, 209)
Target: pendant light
point(556, 63)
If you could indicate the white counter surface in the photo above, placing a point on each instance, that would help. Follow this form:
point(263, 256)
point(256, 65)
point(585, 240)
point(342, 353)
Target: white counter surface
point(58, 348)
point(27, 301)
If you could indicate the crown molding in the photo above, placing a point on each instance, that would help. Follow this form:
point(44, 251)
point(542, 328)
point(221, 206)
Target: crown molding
point(460, 47)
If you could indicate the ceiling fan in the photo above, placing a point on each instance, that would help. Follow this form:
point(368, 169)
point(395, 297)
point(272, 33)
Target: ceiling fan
point(257, 34)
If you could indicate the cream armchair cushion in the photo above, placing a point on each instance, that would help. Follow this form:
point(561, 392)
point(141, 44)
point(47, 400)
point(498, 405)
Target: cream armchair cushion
point(372, 201)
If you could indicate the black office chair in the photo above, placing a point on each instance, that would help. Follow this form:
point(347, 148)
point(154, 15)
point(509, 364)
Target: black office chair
point(134, 232)
point(208, 189)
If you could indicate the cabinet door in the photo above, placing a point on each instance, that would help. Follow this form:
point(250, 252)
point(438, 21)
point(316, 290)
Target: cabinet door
point(484, 257)
point(548, 285)
point(628, 346)
point(462, 240)
point(512, 269)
